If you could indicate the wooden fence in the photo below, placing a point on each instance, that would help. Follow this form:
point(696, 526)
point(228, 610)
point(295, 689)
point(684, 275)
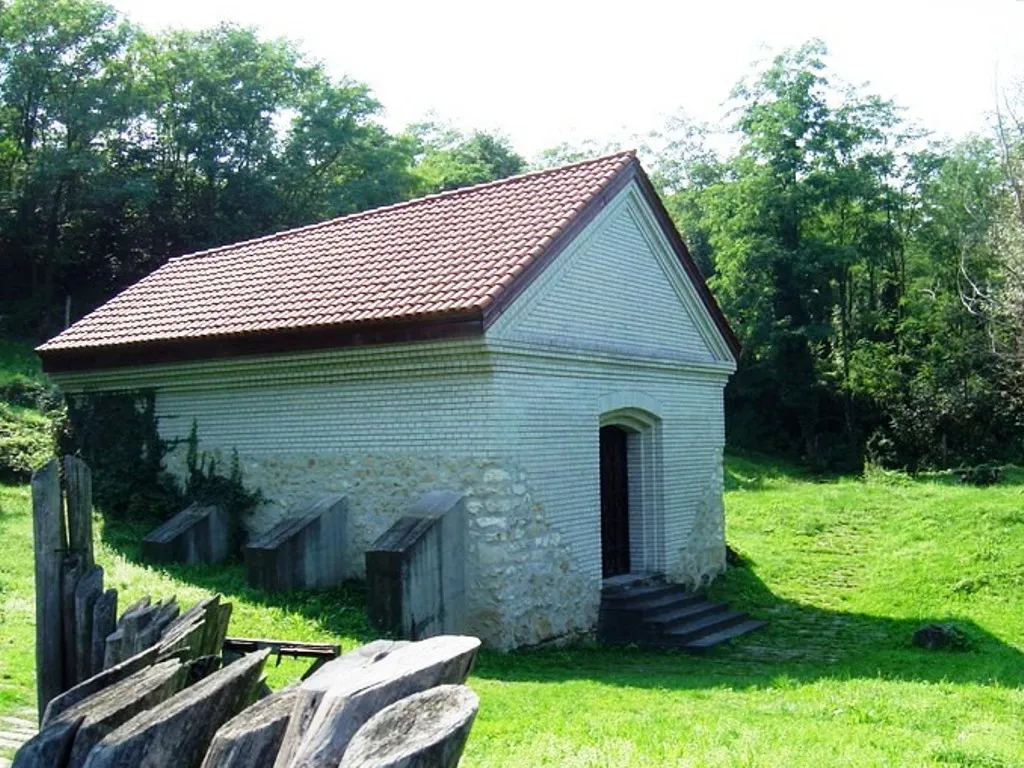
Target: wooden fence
point(151, 687)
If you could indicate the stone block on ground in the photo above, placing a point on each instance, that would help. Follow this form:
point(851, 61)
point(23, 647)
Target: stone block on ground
point(253, 736)
point(416, 572)
point(347, 706)
point(312, 690)
point(425, 730)
point(307, 550)
point(197, 534)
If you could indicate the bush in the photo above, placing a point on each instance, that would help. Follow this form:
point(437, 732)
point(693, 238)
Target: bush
point(117, 435)
point(26, 443)
point(989, 473)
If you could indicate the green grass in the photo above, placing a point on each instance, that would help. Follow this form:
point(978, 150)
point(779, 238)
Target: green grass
point(844, 570)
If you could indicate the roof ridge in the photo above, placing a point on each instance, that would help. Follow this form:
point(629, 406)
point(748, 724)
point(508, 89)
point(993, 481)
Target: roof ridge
point(626, 153)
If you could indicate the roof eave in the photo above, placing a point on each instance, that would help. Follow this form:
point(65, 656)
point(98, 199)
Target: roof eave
point(462, 324)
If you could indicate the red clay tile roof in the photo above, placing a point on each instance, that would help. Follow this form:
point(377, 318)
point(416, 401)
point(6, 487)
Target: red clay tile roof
point(444, 256)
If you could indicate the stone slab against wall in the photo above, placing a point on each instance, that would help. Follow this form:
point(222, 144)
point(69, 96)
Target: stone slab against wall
point(307, 550)
point(416, 570)
point(197, 534)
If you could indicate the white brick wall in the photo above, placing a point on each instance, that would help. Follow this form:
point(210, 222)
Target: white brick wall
point(612, 323)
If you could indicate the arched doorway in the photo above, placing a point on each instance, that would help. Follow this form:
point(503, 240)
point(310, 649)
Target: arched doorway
point(614, 501)
point(632, 494)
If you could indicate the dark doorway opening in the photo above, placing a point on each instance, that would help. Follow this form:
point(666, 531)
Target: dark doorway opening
point(614, 502)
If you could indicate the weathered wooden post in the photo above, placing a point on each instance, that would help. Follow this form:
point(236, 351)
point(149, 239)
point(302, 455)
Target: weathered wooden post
point(78, 482)
point(48, 539)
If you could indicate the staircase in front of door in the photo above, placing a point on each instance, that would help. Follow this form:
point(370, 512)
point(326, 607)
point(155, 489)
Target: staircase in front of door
point(648, 612)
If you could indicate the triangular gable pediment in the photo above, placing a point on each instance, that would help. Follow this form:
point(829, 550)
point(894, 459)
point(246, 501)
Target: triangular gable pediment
point(619, 287)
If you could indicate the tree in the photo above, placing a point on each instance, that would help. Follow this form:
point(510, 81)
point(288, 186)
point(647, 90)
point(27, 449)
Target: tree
point(447, 159)
point(62, 100)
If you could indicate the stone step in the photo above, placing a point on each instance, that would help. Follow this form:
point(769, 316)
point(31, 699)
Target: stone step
point(654, 605)
point(707, 642)
point(694, 630)
point(625, 594)
point(678, 616)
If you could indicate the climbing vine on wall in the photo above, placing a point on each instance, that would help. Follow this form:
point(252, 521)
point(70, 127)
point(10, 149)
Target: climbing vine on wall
point(117, 435)
point(206, 486)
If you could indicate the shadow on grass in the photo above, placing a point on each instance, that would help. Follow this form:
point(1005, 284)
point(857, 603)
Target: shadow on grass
point(749, 471)
point(340, 611)
point(801, 644)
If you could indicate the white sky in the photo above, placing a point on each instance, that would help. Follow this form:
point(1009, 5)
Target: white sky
point(545, 72)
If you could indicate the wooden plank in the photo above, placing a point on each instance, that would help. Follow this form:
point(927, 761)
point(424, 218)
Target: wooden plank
point(294, 649)
point(122, 641)
point(218, 616)
point(49, 748)
point(97, 682)
point(49, 545)
point(113, 653)
point(87, 592)
point(252, 737)
point(186, 623)
point(168, 612)
point(311, 692)
point(347, 706)
point(104, 619)
point(425, 730)
point(179, 731)
point(71, 571)
point(184, 640)
point(78, 481)
point(115, 705)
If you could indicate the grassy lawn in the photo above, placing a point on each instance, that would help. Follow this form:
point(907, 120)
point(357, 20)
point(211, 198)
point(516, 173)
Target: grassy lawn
point(844, 570)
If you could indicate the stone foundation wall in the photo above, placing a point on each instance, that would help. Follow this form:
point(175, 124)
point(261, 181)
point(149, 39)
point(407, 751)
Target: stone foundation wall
point(523, 585)
point(703, 556)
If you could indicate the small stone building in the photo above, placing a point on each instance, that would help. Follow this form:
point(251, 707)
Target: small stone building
point(543, 345)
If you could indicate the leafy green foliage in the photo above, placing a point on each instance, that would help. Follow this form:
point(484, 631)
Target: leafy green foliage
point(204, 485)
point(26, 442)
point(119, 149)
point(116, 434)
point(839, 249)
point(30, 409)
point(448, 160)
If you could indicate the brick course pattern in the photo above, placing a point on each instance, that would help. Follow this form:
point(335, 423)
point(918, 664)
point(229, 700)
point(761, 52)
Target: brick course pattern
point(509, 419)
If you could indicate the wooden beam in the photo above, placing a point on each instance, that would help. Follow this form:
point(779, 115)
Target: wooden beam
point(50, 544)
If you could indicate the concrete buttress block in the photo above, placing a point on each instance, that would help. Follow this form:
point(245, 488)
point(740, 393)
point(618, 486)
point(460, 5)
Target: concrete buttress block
point(416, 571)
point(197, 534)
point(306, 550)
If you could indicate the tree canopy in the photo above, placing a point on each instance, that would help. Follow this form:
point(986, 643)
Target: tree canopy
point(874, 278)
